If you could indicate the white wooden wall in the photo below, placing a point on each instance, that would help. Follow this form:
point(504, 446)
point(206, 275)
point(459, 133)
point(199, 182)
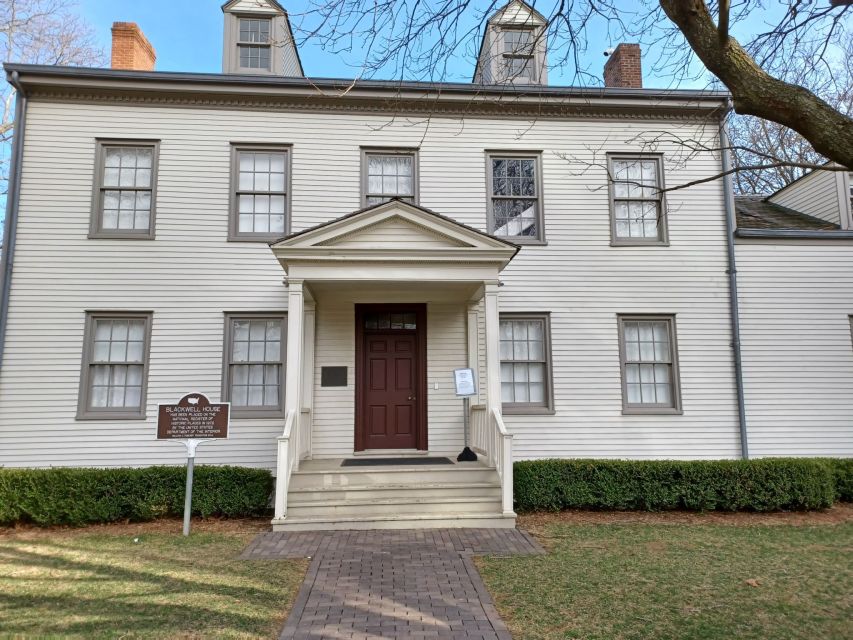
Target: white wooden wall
point(190, 274)
point(818, 194)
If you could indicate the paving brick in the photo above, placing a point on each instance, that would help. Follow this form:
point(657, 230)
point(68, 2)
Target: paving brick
point(393, 584)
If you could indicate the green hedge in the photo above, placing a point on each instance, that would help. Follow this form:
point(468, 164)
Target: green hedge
point(843, 470)
point(48, 497)
point(767, 484)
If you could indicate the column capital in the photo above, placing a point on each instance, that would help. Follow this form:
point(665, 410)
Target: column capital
point(491, 286)
point(295, 283)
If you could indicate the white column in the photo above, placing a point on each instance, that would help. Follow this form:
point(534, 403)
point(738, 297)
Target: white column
point(308, 376)
point(493, 357)
point(474, 348)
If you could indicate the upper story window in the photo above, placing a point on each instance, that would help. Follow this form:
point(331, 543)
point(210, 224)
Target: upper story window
point(260, 180)
point(515, 202)
point(125, 186)
point(636, 200)
point(389, 174)
point(115, 364)
point(518, 53)
point(254, 45)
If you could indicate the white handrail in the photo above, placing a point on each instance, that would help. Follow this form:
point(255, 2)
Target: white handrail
point(490, 439)
point(288, 459)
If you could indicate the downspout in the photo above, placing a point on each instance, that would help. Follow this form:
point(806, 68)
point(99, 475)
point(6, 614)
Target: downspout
point(732, 272)
point(12, 195)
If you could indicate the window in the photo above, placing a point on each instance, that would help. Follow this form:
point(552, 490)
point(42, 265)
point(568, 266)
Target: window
point(650, 381)
point(525, 363)
point(115, 365)
point(515, 202)
point(254, 364)
point(636, 201)
point(125, 189)
point(260, 178)
point(389, 174)
point(254, 43)
point(518, 54)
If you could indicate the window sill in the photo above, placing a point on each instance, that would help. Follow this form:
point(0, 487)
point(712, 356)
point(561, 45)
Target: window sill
point(528, 411)
point(265, 239)
point(652, 411)
point(85, 417)
point(121, 236)
point(639, 243)
point(522, 241)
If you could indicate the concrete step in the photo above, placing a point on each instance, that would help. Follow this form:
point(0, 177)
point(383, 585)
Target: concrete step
point(361, 476)
point(403, 504)
point(337, 493)
point(494, 520)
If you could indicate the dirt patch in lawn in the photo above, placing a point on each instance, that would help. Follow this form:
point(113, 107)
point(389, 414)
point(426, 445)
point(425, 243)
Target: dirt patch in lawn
point(838, 514)
point(166, 525)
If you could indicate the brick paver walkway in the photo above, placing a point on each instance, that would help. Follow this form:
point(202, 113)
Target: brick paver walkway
point(393, 584)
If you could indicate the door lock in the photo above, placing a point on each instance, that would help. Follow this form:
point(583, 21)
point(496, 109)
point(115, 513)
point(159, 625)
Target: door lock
point(412, 398)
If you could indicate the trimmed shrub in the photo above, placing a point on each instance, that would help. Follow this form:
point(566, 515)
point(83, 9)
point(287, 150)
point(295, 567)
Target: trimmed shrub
point(842, 468)
point(768, 484)
point(48, 497)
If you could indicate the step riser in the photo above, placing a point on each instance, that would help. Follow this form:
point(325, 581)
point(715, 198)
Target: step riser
point(489, 521)
point(374, 510)
point(400, 494)
point(343, 478)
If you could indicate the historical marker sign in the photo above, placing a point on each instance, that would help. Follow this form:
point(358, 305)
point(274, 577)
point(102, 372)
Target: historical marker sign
point(194, 417)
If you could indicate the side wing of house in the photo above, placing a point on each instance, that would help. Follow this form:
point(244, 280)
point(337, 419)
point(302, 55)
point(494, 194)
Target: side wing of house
point(820, 194)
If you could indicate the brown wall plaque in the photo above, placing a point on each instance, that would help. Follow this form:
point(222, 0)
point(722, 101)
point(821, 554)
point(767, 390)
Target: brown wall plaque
point(193, 417)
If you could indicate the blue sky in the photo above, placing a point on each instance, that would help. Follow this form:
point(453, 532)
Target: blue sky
point(187, 35)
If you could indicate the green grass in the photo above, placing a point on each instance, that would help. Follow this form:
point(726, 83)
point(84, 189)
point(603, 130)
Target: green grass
point(102, 585)
point(645, 581)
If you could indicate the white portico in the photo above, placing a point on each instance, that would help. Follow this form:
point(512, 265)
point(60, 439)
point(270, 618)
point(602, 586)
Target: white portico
point(383, 304)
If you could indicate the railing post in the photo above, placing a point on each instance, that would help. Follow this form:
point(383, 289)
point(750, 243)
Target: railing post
point(506, 478)
point(281, 478)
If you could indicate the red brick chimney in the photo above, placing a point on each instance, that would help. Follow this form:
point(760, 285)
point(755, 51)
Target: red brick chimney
point(131, 49)
point(623, 68)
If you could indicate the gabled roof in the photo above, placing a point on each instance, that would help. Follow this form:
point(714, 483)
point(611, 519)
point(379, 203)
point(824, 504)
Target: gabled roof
point(756, 212)
point(497, 15)
point(271, 3)
point(394, 231)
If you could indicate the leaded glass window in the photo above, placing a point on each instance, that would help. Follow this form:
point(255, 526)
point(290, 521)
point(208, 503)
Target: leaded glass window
point(515, 198)
point(260, 196)
point(389, 175)
point(524, 357)
point(637, 202)
point(649, 363)
point(256, 364)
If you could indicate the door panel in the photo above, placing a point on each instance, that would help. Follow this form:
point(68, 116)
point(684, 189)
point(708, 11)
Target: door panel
point(391, 391)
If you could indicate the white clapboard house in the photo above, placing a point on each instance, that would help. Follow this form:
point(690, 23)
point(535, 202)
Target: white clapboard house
point(323, 254)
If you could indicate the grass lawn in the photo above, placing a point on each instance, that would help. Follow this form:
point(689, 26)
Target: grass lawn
point(660, 577)
point(142, 581)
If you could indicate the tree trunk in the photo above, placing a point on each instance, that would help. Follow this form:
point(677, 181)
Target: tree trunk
point(754, 92)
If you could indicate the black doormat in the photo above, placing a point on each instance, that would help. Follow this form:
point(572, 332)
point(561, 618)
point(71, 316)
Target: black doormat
point(387, 462)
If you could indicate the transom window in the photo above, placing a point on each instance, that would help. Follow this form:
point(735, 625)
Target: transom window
point(260, 194)
point(389, 174)
point(124, 204)
point(525, 368)
point(649, 363)
point(636, 204)
point(518, 53)
point(114, 366)
point(516, 208)
point(394, 321)
point(255, 364)
point(254, 46)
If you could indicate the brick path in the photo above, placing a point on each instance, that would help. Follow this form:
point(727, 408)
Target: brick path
point(393, 584)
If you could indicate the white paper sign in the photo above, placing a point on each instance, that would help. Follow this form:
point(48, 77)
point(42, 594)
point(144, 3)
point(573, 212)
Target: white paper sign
point(464, 379)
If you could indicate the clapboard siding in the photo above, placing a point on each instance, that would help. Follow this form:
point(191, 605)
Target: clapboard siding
point(796, 303)
point(816, 194)
point(190, 275)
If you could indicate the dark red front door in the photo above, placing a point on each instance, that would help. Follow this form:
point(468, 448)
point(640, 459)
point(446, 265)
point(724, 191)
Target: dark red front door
point(390, 377)
point(390, 391)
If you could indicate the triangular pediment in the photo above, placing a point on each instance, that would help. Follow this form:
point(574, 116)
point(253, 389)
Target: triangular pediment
point(394, 226)
point(254, 6)
point(518, 12)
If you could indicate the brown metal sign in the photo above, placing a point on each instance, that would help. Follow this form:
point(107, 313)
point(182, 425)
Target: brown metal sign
point(194, 417)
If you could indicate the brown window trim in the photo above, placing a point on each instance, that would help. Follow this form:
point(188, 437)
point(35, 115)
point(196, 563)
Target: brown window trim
point(233, 215)
point(531, 57)
point(391, 151)
point(268, 45)
point(251, 412)
point(663, 226)
point(84, 411)
point(95, 230)
point(531, 408)
point(634, 409)
point(540, 239)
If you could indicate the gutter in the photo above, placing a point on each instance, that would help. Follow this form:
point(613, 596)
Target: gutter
point(795, 234)
point(12, 195)
point(733, 291)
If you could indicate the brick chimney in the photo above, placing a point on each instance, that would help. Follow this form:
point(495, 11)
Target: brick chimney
point(623, 68)
point(131, 49)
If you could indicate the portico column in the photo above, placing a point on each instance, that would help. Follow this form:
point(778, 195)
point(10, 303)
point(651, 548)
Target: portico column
point(493, 358)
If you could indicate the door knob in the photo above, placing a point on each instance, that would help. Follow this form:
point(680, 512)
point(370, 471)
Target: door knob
point(412, 398)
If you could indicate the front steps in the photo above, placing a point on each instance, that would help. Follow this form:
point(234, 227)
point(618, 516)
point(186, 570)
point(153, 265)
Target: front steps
point(325, 496)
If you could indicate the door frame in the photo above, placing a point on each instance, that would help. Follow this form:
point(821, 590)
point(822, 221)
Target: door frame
point(420, 309)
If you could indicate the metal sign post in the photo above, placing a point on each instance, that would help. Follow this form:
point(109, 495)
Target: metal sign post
point(192, 421)
point(466, 387)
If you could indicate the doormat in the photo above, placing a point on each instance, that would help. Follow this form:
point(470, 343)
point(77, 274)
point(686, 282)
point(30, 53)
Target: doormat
point(387, 462)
